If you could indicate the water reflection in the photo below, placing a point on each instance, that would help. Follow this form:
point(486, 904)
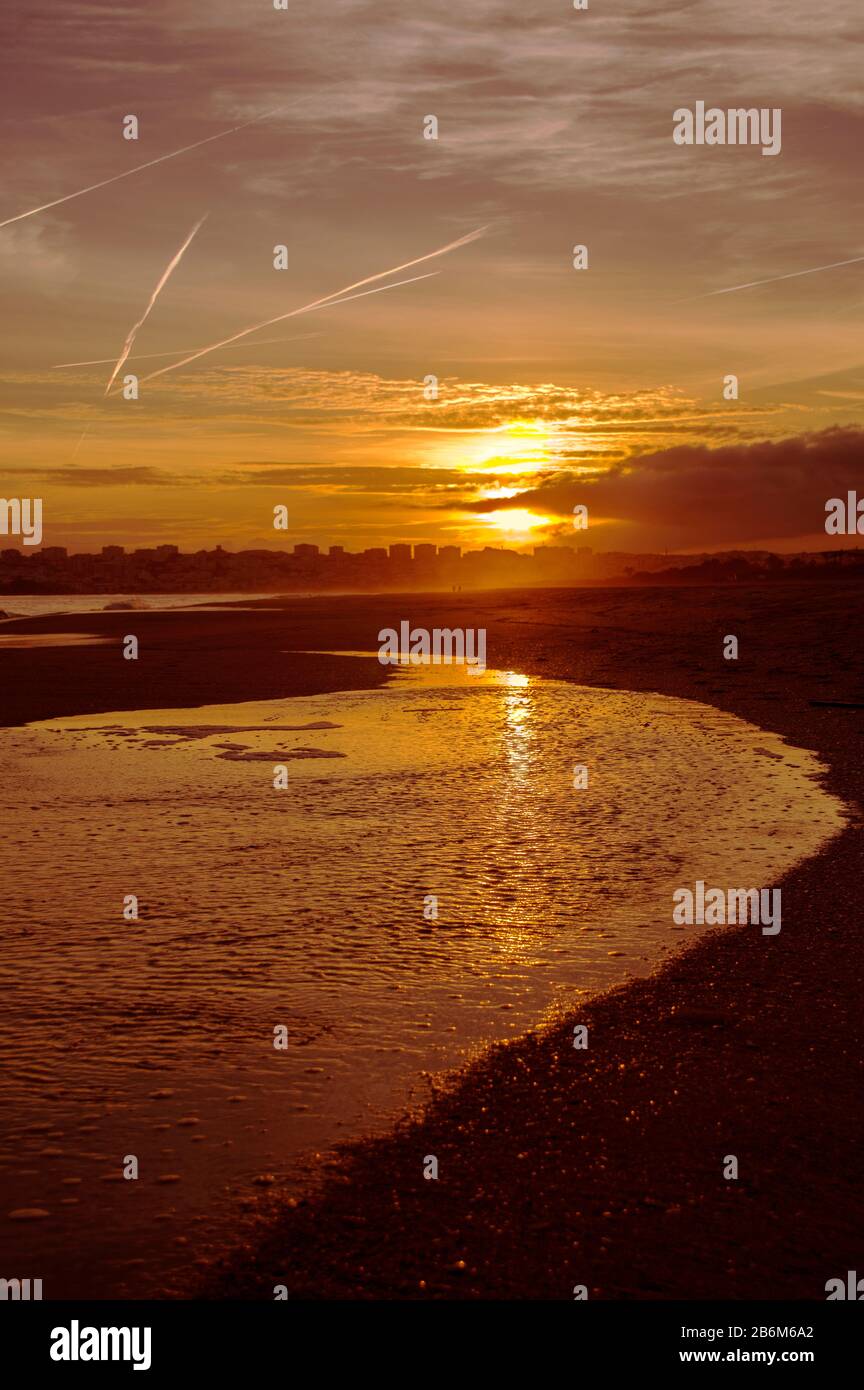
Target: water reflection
point(303, 909)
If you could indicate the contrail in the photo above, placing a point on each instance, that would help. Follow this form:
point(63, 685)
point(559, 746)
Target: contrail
point(772, 279)
point(138, 167)
point(329, 303)
point(309, 308)
point(329, 298)
point(142, 356)
point(163, 280)
point(78, 446)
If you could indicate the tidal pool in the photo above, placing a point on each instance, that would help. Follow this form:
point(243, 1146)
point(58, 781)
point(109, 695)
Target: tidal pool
point(303, 915)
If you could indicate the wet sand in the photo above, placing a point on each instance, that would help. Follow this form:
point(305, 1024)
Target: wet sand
point(561, 1167)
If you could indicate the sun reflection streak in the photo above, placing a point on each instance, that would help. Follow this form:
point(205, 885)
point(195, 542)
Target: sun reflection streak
point(515, 912)
point(518, 702)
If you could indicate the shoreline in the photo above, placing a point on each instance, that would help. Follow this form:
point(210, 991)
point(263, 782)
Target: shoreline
point(607, 1174)
point(740, 1044)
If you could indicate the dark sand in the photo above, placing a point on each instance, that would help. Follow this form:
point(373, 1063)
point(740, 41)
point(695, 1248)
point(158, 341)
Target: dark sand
point(561, 1167)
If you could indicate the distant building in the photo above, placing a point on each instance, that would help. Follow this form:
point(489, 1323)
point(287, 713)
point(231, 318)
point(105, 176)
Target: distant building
point(166, 569)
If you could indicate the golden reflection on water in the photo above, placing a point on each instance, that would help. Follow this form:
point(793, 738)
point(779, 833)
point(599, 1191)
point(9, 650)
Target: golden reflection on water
point(303, 908)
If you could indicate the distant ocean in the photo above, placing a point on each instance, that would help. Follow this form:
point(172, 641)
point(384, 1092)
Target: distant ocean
point(37, 605)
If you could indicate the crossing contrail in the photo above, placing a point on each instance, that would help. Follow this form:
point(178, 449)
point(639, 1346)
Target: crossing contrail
point(143, 356)
point(138, 167)
point(308, 308)
point(772, 279)
point(163, 280)
point(331, 299)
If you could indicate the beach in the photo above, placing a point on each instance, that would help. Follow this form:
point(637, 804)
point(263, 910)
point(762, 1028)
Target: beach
point(561, 1168)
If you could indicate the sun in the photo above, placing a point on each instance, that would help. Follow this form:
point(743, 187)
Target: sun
point(516, 522)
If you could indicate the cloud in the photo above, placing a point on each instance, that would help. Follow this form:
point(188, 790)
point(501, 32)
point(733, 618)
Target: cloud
point(395, 479)
point(528, 94)
point(370, 400)
point(695, 497)
point(99, 477)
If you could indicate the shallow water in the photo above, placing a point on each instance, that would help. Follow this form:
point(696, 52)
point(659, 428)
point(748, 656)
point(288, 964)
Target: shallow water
point(40, 605)
point(303, 909)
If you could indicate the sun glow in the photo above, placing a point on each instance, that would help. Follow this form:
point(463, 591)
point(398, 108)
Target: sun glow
point(517, 447)
point(516, 522)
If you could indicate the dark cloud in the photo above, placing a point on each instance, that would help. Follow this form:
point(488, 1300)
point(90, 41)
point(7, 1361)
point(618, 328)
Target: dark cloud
point(139, 476)
point(397, 480)
point(693, 496)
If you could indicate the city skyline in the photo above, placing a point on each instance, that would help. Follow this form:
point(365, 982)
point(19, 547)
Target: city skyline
point(399, 567)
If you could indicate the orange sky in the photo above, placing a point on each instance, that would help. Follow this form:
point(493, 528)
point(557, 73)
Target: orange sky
point(555, 385)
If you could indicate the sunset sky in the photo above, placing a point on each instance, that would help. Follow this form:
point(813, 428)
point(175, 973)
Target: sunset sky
point(556, 386)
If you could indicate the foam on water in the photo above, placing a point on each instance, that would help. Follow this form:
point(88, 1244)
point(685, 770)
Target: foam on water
point(303, 908)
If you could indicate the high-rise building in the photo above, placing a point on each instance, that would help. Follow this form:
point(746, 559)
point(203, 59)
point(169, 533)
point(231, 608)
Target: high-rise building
point(425, 552)
point(400, 554)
